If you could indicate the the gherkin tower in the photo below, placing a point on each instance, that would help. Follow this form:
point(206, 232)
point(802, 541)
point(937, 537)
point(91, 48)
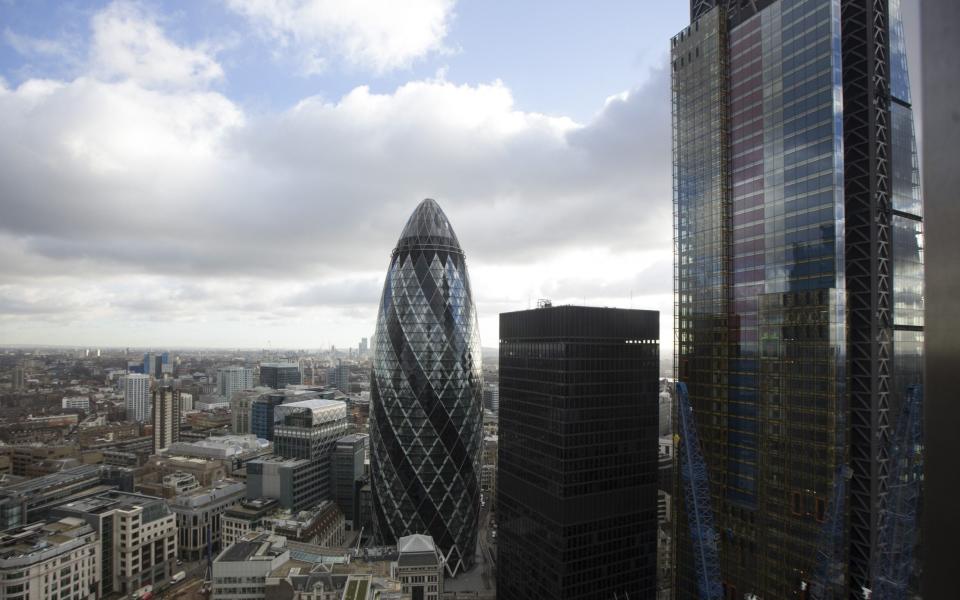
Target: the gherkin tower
point(426, 421)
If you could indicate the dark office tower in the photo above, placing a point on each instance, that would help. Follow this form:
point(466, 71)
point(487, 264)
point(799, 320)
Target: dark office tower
point(799, 279)
point(577, 471)
point(166, 417)
point(309, 430)
point(279, 375)
point(426, 417)
point(262, 418)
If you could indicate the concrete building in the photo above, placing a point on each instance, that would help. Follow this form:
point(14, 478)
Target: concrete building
point(186, 402)
point(346, 472)
point(137, 536)
point(240, 571)
point(420, 567)
point(136, 397)
point(166, 417)
point(77, 402)
point(233, 450)
point(240, 404)
point(338, 376)
point(56, 559)
point(294, 482)
point(309, 430)
point(322, 525)
point(198, 515)
point(491, 397)
point(279, 375)
point(18, 379)
point(246, 517)
point(231, 380)
point(33, 499)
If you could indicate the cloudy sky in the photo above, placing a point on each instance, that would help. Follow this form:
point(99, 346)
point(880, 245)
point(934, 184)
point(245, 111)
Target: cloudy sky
point(235, 173)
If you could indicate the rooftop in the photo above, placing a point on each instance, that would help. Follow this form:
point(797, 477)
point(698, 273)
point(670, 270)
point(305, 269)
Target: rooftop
point(259, 546)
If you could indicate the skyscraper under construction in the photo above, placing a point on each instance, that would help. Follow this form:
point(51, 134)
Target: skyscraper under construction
point(798, 280)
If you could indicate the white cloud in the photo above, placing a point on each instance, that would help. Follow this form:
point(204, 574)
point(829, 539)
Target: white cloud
point(128, 44)
point(32, 46)
point(380, 35)
point(147, 200)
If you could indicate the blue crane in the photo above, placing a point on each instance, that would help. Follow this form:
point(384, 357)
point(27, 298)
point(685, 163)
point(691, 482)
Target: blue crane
point(897, 535)
point(829, 573)
point(696, 495)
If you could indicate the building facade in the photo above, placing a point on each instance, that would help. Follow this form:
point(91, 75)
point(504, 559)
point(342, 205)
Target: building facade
point(240, 408)
point(231, 380)
point(294, 482)
point(198, 516)
point(136, 397)
point(166, 417)
point(426, 412)
point(577, 473)
point(137, 535)
point(798, 278)
point(346, 471)
point(59, 558)
point(420, 567)
point(279, 375)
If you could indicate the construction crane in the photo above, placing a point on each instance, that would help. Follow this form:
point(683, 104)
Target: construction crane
point(696, 495)
point(829, 568)
point(897, 534)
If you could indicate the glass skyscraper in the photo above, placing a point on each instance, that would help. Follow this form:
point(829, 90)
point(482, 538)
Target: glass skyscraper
point(577, 471)
point(798, 278)
point(426, 411)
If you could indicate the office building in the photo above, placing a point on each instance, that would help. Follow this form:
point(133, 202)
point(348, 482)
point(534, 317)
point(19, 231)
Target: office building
point(420, 567)
point(426, 412)
point(240, 406)
point(262, 415)
point(137, 536)
point(53, 559)
point(240, 571)
point(76, 402)
point(136, 397)
point(231, 380)
point(577, 472)
point(799, 278)
point(364, 347)
point(33, 499)
point(166, 417)
point(245, 517)
point(18, 379)
point(491, 397)
point(347, 471)
point(198, 513)
point(338, 377)
point(308, 430)
point(294, 482)
point(279, 375)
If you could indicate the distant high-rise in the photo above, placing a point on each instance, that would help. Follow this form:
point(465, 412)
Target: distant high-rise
point(577, 472)
point(426, 412)
point(491, 397)
point(240, 408)
point(231, 380)
point(339, 376)
point(799, 279)
point(136, 396)
point(279, 375)
point(166, 417)
point(18, 378)
point(364, 347)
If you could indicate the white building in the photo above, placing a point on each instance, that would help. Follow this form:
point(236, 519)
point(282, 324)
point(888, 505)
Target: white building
point(186, 402)
point(240, 571)
point(231, 380)
point(136, 396)
point(420, 567)
point(79, 402)
point(57, 559)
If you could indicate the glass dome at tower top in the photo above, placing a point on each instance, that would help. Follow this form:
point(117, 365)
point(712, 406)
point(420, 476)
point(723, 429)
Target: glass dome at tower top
point(428, 226)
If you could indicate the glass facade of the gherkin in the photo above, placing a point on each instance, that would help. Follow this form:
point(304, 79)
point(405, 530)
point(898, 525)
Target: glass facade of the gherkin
point(426, 417)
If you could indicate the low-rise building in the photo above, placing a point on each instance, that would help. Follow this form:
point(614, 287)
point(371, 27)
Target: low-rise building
point(56, 559)
point(198, 516)
point(137, 536)
point(241, 570)
point(420, 567)
point(246, 517)
point(77, 402)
